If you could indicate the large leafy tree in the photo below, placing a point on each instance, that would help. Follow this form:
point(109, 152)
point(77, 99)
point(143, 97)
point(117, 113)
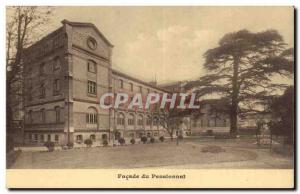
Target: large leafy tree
point(241, 69)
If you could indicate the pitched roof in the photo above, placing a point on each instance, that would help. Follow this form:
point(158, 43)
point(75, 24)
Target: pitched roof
point(88, 25)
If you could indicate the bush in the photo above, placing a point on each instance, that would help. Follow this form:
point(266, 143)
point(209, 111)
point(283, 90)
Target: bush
point(70, 145)
point(105, 142)
point(88, 142)
point(144, 139)
point(152, 140)
point(132, 141)
point(161, 138)
point(180, 137)
point(121, 141)
point(50, 145)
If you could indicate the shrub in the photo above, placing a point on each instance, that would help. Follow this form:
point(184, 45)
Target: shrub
point(88, 142)
point(70, 145)
point(132, 141)
point(161, 138)
point(121, 141)
point(50, 145)
point(180, 137)
point(152, 140)
point(144, 139)
point(105, 142)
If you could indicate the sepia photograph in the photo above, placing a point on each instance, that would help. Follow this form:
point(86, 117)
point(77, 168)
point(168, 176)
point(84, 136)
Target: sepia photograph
point(168, 89)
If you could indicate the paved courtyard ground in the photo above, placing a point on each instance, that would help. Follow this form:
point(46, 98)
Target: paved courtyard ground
point(239, 153)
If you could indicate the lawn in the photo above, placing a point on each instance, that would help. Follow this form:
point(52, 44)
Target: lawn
point(164, 155)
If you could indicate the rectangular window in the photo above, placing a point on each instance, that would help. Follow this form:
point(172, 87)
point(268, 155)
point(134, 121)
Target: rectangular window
point(35, 138)
point(30, 137)
point(57, 114)
point(121, 84)
point(42, 138)
point(42, 91)
point(56, 87)
point(92, 87)
point(140, 89)
point(131, 87)
point(92, 66)
point(43, 116)
point(30, 94)
point(49, 137)
point(91, 118)
point(130, 121)
point(42, 68)
point(56, 138)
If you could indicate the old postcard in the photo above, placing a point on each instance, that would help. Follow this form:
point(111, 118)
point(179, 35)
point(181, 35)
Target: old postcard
point(150, 97)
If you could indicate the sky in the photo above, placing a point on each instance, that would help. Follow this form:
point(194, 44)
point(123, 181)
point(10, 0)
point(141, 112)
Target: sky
point(168, 43)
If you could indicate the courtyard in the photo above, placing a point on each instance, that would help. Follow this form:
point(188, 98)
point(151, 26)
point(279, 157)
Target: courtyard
point(236, 154)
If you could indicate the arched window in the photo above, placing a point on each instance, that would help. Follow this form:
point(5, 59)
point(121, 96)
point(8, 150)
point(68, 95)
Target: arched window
point(93, 137)
point(155, 121)
point(91, 116)
point(140, 120)
point(148, 121)
point(121, 119)
point(131, 119)
point(92, 66)
point(57, 114)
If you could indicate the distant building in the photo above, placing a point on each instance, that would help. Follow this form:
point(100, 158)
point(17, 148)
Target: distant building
point(204, 121)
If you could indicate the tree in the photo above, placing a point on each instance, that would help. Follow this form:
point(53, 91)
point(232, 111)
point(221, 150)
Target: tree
point(282, 107)
point(242, 68)
point(24, 26)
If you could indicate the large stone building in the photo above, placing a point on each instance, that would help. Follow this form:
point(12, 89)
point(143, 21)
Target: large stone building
point(65, 75)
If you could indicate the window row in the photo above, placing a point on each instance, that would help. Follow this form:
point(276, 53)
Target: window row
point(210, 122)
point(42, 115)
point(42, 90)
point(140, 120)
point(79, 138)
point(56, 66)
point(131, 87)
point(43, 138)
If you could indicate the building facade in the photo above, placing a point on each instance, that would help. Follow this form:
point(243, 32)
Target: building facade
point(65, 75)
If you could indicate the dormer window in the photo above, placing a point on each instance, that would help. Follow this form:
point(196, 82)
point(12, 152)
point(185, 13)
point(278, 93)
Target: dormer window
point(92, 66)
